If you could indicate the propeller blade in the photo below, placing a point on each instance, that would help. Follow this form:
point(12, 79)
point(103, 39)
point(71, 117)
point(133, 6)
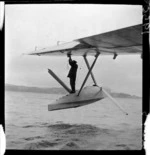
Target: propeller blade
point(114, 101)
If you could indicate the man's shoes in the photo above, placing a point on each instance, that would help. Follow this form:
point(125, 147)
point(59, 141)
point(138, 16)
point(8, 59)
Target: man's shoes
point(72, 92)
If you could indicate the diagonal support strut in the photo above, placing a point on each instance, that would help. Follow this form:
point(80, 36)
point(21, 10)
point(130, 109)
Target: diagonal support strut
point(58, 80)
point(89, 72)
point(88, 66)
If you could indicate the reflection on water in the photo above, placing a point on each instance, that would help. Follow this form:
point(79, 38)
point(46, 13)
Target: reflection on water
point(99, 126)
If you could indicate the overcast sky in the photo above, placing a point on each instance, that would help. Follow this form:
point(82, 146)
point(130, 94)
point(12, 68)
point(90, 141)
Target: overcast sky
point(42, 25)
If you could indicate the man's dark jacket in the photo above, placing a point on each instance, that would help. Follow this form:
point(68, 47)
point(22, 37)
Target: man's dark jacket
point(73, 69)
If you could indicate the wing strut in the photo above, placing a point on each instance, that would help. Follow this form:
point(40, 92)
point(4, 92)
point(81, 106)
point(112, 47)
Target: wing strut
point(89, 72)
point(58, 80)
point(88, 66)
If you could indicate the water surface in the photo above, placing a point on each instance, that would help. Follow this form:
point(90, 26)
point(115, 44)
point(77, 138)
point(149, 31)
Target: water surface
point(98, 126)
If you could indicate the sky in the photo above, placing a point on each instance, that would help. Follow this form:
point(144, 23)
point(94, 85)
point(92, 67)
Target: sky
point(41, 25)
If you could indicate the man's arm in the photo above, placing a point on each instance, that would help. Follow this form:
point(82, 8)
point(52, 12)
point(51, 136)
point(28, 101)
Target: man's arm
point(70, 60)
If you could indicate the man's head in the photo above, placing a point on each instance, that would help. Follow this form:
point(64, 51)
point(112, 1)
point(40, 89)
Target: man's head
point(74, 62)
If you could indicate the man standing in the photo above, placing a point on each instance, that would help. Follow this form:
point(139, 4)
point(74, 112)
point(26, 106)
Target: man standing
point(72, 73)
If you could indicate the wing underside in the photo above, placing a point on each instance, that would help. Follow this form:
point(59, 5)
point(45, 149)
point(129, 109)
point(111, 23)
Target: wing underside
point(122, 41)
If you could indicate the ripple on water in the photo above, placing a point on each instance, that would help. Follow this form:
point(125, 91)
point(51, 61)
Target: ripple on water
point(32, 138)
point(71, 146)
point(40, 145)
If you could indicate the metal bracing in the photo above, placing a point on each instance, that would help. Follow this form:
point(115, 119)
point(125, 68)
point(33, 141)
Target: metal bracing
point(58, 80)
point(89, 72)
point(88, 66)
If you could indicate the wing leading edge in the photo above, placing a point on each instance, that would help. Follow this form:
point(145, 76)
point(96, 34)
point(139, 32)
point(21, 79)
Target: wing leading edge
point(122, 41)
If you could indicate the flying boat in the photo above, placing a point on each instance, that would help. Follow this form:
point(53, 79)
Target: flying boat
point(124, 41)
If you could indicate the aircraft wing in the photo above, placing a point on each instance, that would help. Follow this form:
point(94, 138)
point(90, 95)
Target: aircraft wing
point(122, 41)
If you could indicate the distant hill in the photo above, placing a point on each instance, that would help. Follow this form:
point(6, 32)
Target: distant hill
point(123, 95)
point(54, 90)
point(9, 87)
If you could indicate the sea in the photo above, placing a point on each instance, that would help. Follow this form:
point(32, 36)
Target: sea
point(97, 126)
